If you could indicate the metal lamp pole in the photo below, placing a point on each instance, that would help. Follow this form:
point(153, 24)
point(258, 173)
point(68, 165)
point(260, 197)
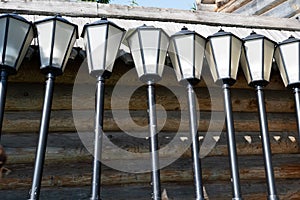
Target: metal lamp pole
point(12, 50)
point(223, 51)
point(143, 41)
point(188, 69)
point(272, 193)
point(53, 62)
point(102, 41)
point(296, 91)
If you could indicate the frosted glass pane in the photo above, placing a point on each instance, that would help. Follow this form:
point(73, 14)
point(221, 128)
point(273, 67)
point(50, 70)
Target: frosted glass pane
point(96, 47)
point(281, 66)
point(289, 52)
point(210, 60)
point(235, 56)
point(199, 56)
point(174, 60)
point(44, 31)
point(163, 52)
point(63, 34)
point(269, 53)
point(135, 49)
point(69, 51)
point(221, 50)
point(16, 34)
point(150, 45)
point(2, 35)
point(245, 66)
point(113, 45)
point(254, 54)
point(185, 48)
point(25, 48)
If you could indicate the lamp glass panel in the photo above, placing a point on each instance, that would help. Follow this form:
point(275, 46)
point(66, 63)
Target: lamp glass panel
point(245, 66)
point(17, 31)
point(254, 56)
point(95, 41)
point(150, 46)
point(25, 47)
point(69, 50)
point(290, 56)
point(210, 60)
point(63, 34)
point(115, 36)
point(235, 56)
point(174, 60)
point(44, 31)
point(199, 55)
point(185, 51)
point(268, 58)
point(164, 43)
point(281, 66)
point(221, 52)
point(136, 53)
point(2, 36)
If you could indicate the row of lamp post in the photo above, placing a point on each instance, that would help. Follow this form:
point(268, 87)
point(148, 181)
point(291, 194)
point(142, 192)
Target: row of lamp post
point(149, 47)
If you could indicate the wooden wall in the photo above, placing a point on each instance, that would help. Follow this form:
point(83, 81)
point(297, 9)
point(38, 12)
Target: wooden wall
point(68, 167)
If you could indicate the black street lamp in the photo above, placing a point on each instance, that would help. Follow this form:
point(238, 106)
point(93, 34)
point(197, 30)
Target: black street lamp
point(102, 41)
point(223, 51)
point(56, 37)
point(256, 62)
point(16, 34)
point(287, 56)
point(148, 46)
point(186, 51)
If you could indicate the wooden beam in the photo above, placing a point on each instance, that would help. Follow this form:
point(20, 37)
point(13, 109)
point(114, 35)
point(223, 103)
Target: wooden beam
point(76, 9)
point(286, 9)
point(232, 5)
point(257, 7)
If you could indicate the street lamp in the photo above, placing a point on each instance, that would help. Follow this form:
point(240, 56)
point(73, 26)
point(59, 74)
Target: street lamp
point(223, 51)
point(16, 34)
point(287, 56)
point(102, 41)
point(256, 62)
point(186, 51)
point(148, 46)
point(56, 37)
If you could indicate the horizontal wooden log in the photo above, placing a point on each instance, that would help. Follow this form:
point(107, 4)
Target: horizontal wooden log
point(251, 190)
point(77, 9)
point(76, 71)
point(214, 169)
point(29, 97)
point(231, 6)
point(67, 147)
point(138, 121)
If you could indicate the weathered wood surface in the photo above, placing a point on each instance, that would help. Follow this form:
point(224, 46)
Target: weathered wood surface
point(232, 5)
point(147, 14)
point(252, 190)
point(61, 121)
point(67, 147)
point(29, 97)
point(286, 9)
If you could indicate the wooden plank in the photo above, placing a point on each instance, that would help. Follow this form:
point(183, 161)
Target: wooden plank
point(67, 147)
point(214, 169)
point(257, 7)
point(76, 9)
point(63, 121)
point(286, 9)
point(251, 190)
point(231, 6)
point(29, 97)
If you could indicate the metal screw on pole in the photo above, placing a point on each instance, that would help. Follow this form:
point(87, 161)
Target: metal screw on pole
point(43, 134)
point(99, 107)
point(155, 173)
point(231, 144)
point(272, 194)
point(195, 143)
